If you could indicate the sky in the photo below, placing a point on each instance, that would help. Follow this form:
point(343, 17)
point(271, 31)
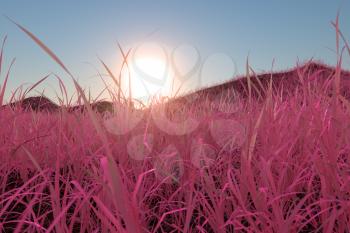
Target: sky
point(209, 41)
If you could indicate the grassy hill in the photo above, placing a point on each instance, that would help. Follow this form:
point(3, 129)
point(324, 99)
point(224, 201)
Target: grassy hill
point(284, 83)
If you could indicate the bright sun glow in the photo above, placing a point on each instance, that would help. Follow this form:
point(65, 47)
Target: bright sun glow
point(158, 71)
point(149, 76)
point(151, 66)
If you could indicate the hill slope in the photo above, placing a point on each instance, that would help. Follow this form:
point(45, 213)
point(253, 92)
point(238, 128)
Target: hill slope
point(285, 81)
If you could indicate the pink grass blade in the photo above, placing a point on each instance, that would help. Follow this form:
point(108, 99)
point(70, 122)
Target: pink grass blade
point(42, 45)
point(3, 88)
point(36, 84)
point(2, 53)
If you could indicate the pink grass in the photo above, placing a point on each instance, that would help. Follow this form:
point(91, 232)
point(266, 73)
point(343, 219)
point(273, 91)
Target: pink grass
point(271, 158)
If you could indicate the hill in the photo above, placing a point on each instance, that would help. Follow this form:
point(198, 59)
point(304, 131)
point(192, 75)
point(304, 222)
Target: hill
point(284, 81)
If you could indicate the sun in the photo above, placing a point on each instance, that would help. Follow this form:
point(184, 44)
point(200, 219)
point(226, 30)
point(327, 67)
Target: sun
point(154, 67)
point(149, 74)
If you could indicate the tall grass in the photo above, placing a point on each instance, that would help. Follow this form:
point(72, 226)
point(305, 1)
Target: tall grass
point(269, 163)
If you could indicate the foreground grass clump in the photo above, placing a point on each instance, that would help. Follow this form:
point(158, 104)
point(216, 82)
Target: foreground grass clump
point(269, 164)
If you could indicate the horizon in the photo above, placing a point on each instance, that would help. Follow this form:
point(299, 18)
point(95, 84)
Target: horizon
point(296, 35)
point(275, 75)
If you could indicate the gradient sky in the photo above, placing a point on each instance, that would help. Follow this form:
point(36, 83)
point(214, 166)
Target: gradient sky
point(80, 31)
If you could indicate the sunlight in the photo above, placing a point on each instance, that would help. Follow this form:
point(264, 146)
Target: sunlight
point(154, 67)
point(149, 73)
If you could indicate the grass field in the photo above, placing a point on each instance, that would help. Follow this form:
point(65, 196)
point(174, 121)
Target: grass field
point(254, 155)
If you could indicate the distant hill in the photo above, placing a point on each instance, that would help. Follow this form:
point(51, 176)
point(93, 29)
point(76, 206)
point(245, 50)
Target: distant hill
point(289, 79)
point(37, 103)
point(41, 103)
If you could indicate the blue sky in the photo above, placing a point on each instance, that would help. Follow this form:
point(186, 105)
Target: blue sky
point(80, 31)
